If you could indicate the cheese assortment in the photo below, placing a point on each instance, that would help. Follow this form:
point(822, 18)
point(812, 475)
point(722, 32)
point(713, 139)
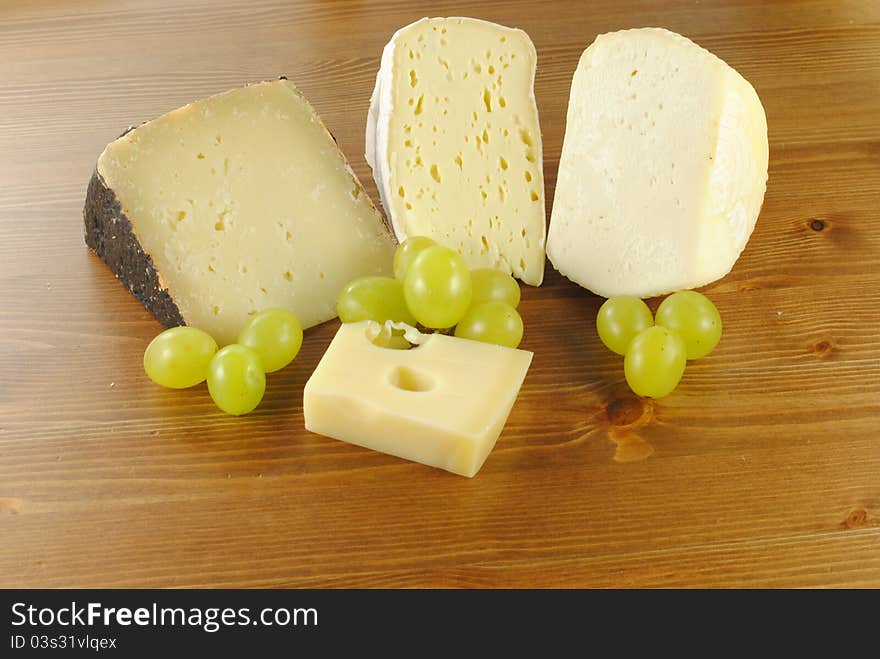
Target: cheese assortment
point(454, 142)
point(663, 167)
point(443, 403)
point(239, 216)
point(234, 204)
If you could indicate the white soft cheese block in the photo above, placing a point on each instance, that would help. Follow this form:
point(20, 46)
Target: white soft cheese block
point(243, 201)
point(443, 403)
point(454, 142)
point(663, 167)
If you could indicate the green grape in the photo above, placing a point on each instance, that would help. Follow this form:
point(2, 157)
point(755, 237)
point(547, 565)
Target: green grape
point(654, 362)
point(178, 357)
point(490, 284)
point(491, 322)
point(693, 316)
point(236, 379)
point(619, 319)
point(398, 342)
point(373, 298)
point(275, 334)
point(407, 251)
point(438, 287)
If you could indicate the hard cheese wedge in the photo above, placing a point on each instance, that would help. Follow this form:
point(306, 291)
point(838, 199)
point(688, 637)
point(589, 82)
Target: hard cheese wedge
point(233, 204)
point(663, 167)
point(454, 142)
point(442, 403)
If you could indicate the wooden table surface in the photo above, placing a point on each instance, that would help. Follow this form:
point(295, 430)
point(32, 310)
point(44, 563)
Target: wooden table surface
point(761, 469)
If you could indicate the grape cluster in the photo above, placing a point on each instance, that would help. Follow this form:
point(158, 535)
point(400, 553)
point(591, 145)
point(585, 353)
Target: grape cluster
point(183, 357)
point(433, 287)
point(687, 326)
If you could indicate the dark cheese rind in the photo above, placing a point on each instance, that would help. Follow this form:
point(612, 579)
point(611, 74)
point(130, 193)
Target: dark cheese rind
point(280, 185)
point(110, 235)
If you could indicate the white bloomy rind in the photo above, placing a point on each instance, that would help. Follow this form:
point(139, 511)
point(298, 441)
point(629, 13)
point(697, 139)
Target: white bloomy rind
point(663, 168)
point(521, 248)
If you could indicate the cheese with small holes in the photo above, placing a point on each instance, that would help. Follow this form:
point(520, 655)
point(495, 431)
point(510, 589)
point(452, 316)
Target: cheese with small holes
point(454, 142)
point(442, 403)
point(663, 167)
point(234, 204)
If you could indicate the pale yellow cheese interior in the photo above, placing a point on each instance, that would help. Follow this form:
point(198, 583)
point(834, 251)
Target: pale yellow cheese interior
point(464, 143)
point(663, 167)
point(442, 403)
point(244, 202)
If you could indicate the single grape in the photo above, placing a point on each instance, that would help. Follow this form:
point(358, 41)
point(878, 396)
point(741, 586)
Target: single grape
point(275, 334)
point(693, 316)
point(407, 251)
point(236, 379)
point(654, 362)
point(619, 319)
point(490, 284)
point(438, 287)
point(374, 298)
point(178, 357)
point(491, 322)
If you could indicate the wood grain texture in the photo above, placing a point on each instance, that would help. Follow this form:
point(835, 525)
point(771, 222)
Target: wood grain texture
point(762, 469)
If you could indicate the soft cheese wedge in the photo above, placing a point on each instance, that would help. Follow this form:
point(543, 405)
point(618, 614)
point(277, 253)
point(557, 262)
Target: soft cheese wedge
point(234, 204)
point(454, 142)
point(442, 403)
point(663, 167)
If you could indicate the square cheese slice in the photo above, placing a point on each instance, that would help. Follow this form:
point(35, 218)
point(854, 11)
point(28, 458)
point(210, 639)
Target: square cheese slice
point(442, 403)
point(455, 145)
point(233, 204)
point(663, 167)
